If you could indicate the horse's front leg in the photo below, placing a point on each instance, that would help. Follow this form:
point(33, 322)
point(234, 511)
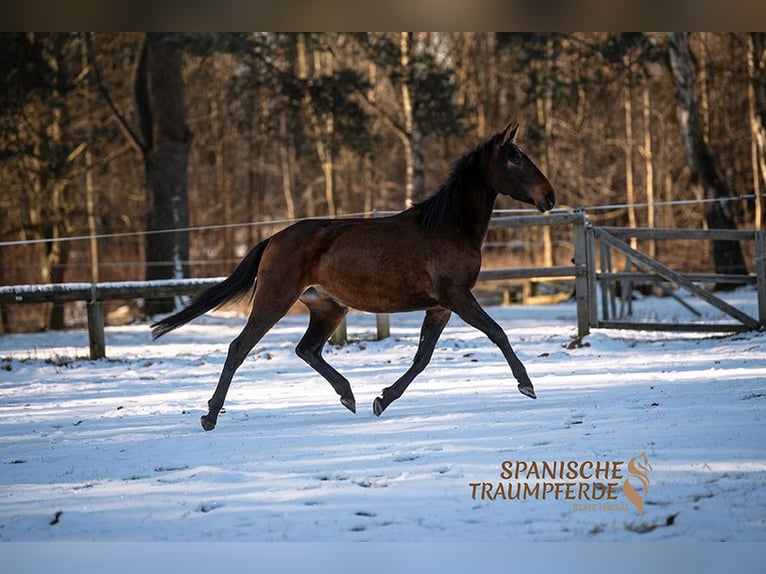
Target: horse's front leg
point(467, 307)
point(433, 325)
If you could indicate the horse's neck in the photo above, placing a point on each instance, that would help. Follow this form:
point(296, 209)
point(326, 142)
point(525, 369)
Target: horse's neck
point(473, 209)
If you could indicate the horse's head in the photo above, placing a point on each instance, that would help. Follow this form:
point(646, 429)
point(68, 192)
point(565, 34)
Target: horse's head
point(511, 172)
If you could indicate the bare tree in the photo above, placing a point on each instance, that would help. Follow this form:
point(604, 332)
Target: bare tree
point(727, 255)
point(322, 129)
point(163, 138)
point(43, 146)
point(756, 67)
point(422, 101)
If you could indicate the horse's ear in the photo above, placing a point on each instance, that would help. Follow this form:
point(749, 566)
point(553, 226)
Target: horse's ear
point(509, 134)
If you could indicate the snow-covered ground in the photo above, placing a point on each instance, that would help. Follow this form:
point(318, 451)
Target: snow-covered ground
point(113, 449)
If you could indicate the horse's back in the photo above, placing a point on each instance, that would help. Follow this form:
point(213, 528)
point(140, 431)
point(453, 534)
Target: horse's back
point(378, 265)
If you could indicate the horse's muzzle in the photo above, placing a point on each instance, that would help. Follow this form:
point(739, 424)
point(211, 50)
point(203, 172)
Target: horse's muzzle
point(547, 203)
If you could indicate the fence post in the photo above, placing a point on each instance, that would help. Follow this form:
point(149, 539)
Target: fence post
point(96, 337)
point(340, 336)
point(760, 270)
point(582, 297)
point(590, 242)
point(383, 326)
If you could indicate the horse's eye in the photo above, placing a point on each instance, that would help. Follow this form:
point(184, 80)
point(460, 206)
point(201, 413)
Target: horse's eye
point(516, 159)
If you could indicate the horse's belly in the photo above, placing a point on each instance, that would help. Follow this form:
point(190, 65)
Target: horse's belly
point(379, 294)
point(377, 288)
point(382, 304)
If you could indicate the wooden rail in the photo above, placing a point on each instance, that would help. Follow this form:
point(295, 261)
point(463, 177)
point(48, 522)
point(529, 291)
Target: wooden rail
point(676, 233)
point(614, 238)
point(96, 294)
point(675, 277)
point(62, 292)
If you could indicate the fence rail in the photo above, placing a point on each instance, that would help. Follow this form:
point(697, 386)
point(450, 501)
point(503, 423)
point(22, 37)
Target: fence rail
point(608, 241)
point(63, 292)
point(587, 279)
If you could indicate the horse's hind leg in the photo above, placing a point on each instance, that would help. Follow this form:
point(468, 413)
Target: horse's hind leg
point(268, 308)
point(433, 325)
point(326, 315)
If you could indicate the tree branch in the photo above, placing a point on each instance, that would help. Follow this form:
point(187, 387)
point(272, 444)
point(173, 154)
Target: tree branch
point(134, 140)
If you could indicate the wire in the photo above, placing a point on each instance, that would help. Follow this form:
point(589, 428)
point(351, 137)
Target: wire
point(373, 213)
point(178, 229)
point(627, 205)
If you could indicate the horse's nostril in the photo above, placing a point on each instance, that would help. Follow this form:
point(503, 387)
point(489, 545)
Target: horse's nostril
point(551, 199)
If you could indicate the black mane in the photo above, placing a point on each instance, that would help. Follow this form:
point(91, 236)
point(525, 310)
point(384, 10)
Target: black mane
point(434, 209)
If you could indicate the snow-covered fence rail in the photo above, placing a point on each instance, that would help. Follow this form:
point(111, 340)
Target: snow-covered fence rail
point(62, 292)
point(96, 293)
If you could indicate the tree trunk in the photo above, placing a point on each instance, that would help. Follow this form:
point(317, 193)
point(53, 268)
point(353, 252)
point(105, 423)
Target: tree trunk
point(222, 187)
point(409, 162)
point(646, 151)
point(367, 165)
point(58, 257)
point(256, 181)
point(580, 149)
point(756, 67)
point(550, 63)
point(166, 140)
point(630, 192)
point(50, 182)
point(5, 320)
point(284, 162)
point(322, 134)
point(544, 106)
point(413, 142)
point(727, 255)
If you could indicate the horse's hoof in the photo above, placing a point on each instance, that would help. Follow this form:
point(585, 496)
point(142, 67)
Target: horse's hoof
point(350, 404)
point(378, 407)
point(528, 391)
point(207, 423)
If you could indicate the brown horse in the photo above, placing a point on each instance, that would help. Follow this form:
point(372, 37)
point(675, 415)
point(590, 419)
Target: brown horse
point(425, 258)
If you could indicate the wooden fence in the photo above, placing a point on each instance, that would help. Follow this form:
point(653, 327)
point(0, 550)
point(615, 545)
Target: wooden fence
point(613, 238)
point(583, 271)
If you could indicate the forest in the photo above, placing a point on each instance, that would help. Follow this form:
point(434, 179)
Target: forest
point(131, 156)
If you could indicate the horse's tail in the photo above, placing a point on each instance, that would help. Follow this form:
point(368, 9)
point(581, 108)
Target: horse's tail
point(233, 288)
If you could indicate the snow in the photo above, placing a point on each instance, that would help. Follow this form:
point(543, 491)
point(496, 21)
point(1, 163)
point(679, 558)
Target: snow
point(112, 450)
